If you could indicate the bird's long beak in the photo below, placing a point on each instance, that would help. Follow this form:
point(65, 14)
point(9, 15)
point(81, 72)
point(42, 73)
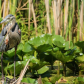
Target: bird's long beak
point(3, 21)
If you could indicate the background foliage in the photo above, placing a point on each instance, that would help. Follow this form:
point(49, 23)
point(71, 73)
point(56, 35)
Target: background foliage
point(52, 36)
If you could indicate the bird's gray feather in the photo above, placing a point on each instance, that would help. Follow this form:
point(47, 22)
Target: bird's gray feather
point(2, 43)
point(13, 34)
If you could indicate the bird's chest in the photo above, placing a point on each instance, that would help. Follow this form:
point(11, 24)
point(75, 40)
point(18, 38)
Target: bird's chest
point(12, 43)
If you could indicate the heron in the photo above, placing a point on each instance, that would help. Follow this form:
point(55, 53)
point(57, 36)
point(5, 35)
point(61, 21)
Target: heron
point(10, 37)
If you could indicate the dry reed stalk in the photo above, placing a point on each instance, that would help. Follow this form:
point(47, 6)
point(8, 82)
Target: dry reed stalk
point(81, 21)
point(19, 3)
point(35, 23)
point(47, 13)
point(21, 8)
point(61, 19)
point(4, 12)
point(29, 18)
point(29, 15)
point(40, 80)
point(55, 16)
point(59, 15)
point(8, 6)
point(61, 2)
point(24, 4)
point(66, 16)
point(23, 72)
point(0, 8)
point(4, 8)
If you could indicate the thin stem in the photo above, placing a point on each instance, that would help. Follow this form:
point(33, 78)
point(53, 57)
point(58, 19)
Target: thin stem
point(15, 60)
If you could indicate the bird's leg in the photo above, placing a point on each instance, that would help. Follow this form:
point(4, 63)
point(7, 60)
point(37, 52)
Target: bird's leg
point(15, 60)
point(2, 65)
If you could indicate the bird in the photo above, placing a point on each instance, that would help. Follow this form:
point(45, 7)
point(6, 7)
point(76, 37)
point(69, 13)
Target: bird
point(10, 37)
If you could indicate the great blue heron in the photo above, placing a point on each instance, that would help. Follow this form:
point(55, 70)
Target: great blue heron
point(10, 37)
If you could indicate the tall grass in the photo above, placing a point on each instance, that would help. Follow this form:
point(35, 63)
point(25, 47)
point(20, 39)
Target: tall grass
point(0, 7)
point(66, 16)
point(14, 6)
point(70, 21)
point(78, 28)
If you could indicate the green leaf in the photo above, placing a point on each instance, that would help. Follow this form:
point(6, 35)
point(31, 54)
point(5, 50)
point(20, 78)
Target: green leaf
point(28, 80)
point(43, 48)
point(32, 58)
point(43, 70)
point(18, 67)
point(60, 56)
point(40, 40)
point(58, 41)
point(55, 78)
point(20, 47)
point(10, 53)
point(9, 76)
point(80, 58)
point(80, 79)
point(80, 44)
point(55, 49)
point(67, 45)
point(47, 83)
point(27, 47)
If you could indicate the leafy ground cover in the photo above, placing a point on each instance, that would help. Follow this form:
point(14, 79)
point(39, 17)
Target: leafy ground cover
point(51, 57)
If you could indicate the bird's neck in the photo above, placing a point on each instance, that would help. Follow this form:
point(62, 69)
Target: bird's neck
point(11, 23)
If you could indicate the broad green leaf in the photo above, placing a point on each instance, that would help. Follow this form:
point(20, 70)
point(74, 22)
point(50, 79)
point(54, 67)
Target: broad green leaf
point(80, 79)
point(67, 45)
point(28, 80)
point(32, 58)
point(47, 83)
point(27, 47)
point(40, 40)
point(80, 44)
point(47, 56)
point(10, 53)
point(58, 40)
point(35, 64)
point(43, 70)
point(18, 67)
point(43, 48)
point(55, 49)
point(20, 47)
point(71, 44)
point(80, 58)
point(9, 77)
point(60, 56)
point(45, 79)
point(55, 78)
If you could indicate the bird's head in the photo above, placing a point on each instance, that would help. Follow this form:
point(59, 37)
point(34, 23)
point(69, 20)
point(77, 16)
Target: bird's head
point(8, 19)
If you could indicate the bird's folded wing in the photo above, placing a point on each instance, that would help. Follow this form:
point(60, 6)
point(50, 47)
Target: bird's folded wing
point(6, 28)
point(2, 43)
